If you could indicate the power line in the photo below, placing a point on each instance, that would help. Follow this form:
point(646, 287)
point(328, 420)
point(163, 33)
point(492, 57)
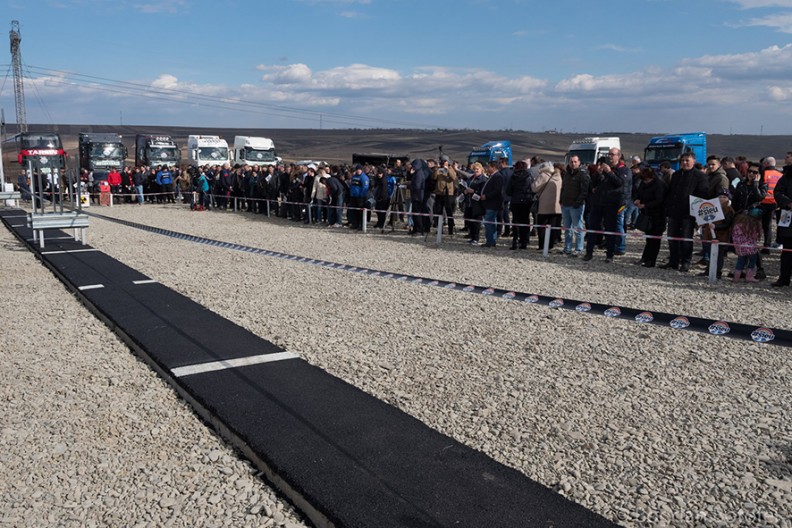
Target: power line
point(187, 97)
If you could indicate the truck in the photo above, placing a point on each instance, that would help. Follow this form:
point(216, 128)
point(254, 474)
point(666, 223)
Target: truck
point(152, 151)
point(207, 150)
point(376, 158)
point(491, 151)
point(255, 151)
point(590, 149)
point(100, 153)
point(671, 147)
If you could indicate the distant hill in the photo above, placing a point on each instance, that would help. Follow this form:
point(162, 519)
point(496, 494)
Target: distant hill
point(339, 145)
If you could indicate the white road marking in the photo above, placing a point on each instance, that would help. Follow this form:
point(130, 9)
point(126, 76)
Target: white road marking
point(68, 251)
point(213, 366)
point(147, 281)
point(90, 287)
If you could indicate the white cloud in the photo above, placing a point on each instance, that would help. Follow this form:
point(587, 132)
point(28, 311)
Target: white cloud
point(780, 93)
point(620, 49)
point(780, 22)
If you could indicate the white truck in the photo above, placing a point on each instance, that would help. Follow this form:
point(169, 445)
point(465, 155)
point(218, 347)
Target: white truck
point(255, 151)
point(207, 150)
point(590, 149)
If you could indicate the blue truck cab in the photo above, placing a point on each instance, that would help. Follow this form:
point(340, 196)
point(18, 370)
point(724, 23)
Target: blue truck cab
point(671, 147)
point(491, 151)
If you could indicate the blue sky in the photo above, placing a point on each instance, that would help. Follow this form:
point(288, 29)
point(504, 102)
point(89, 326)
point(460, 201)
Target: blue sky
point(613, 65)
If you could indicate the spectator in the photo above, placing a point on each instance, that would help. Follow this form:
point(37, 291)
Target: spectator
point(522, 197)
point(616, 163)
point(139, 179)
point(492, 202)
point(685, 182)
point(783, 198)
point(358, 194)
point(606, 200)
point(650, 202)
point(717, 183)
point(574, 190)
point(746, 233)
point(114, 181)
point(419, 174)
point(770, 175)
point(503, 216)
point(444, 179)
point(547, 188)
point(473, 209)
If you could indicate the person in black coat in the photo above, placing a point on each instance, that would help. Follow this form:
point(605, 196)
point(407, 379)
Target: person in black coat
point(686, 182)
point(607, 194)
point(492, 202)
point(650, 202)
point(519, 189)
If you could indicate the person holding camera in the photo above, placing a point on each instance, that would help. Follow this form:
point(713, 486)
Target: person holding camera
point(444, 178)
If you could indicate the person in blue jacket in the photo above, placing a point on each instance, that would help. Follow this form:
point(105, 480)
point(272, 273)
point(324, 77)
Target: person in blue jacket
point(358, 194)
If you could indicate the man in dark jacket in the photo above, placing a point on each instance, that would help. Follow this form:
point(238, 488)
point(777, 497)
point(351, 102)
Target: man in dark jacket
point(419, 171)
point(686, 182)
point(492, 202)
point(783, 197)
point(358, 194)
point(575, 184)
point(607, 197)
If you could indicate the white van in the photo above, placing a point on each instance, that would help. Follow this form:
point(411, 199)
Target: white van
point(207, 150)
point(590, 149)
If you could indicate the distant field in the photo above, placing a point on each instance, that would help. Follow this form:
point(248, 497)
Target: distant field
point(339, 145)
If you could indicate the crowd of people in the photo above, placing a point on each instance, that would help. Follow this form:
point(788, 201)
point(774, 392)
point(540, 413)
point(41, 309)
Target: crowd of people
point(588, 208)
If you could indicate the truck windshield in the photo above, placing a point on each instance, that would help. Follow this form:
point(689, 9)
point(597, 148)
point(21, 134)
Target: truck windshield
point(252, 154)
point(162, 154)
point(107, 151)
point(659, 153)
point(40, 141)
point(483, 159)
point(213, 154)
point(586, 156)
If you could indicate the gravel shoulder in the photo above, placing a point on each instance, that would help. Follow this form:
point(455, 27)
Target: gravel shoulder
point(90, 436)
point(645, 425)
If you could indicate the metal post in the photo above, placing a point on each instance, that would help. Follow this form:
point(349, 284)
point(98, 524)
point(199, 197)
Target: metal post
point(440, 222)
point(546, 249)
point(308, 212)
point(364, 220)
point(268, 208)
point(235, 204)
point(713, 263)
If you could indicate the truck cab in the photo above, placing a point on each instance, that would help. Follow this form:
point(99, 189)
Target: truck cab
point(207, 150)
point(590, 149)
point(101, 153)
point(153, 151)
point(255, 151)
point(671, 147)
point(491, 151)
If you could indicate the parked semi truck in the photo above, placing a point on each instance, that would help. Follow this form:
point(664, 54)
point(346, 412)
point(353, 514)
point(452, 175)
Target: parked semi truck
point(207, 150)
point(671, 147)
point(255, 151)
point(491, 151)
point(153, 151)
point(590, 149)
point(100, 153)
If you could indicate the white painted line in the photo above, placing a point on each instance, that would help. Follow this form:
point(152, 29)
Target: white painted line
point(90, 287)
point(18, 225)
point(16, 216)
point(201, 368)
point(148, 281)
point(69, 251)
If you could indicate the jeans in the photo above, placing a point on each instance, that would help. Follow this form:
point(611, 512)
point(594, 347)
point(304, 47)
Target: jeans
point(573, 220)
point(139, 191)
point(491, 226)
point(631, 213)
point(621, 242)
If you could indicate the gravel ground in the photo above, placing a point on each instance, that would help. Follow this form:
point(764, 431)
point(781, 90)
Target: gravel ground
point(645, 425)
point(90, 436)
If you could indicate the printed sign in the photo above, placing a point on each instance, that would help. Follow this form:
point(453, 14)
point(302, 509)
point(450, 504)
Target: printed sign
point(705, 211)
point(786, 218)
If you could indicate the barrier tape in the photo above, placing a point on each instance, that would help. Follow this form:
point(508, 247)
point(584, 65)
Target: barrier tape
point(776, 336)
point(634, 235)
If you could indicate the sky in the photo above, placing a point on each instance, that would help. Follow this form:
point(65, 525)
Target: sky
point(720, 66)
